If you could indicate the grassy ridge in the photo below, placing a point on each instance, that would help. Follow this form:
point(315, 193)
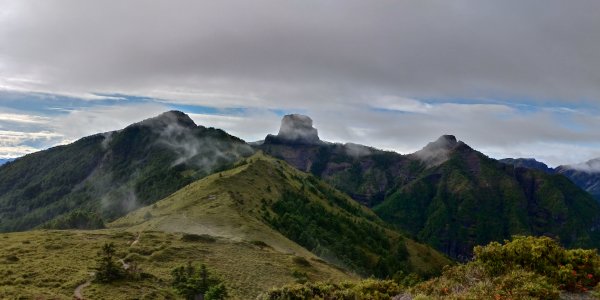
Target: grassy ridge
point(266, 199)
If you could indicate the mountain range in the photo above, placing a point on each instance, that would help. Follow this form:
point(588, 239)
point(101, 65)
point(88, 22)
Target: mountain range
point(365, 211)
point(446, 194)
point(586, 175)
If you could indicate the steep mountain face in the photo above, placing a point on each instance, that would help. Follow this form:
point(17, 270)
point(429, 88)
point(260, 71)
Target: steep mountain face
point(449, 195)
point(364, 173)
point(470, 199)
point(585, 175)
point(529, 163)
point(112, 173)
point(267, 200)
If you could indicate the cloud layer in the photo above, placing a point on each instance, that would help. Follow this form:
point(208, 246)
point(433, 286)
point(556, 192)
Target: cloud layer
point(274, 53)
point(512, 78)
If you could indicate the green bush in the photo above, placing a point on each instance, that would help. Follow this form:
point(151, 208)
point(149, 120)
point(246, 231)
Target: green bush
point(301, 261)
point(260, 244)
point(216, 292)
point(366, 289)
point(108, 270)
point(573, 270)
point(472, 281)
point(202, 238)
point(190, 282)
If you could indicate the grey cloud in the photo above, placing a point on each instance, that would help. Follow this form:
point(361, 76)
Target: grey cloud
point(296, 127)
point(276, 53)
point(592, 166)
point(357, 150)
point(327, 59)
point(497, 130)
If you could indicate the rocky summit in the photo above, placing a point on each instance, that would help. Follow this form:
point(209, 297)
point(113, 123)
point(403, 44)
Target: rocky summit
point(296, 129)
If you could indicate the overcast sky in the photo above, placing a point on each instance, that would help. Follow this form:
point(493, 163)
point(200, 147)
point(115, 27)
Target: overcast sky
point(510, 78)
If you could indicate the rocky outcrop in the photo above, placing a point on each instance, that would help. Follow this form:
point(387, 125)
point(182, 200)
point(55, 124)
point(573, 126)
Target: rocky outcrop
point(295, 129)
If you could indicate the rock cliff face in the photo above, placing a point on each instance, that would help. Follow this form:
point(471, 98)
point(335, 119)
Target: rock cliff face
point(362, 172)
point(296, 129)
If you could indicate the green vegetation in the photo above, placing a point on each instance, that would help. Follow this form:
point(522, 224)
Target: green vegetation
point(463, 202)
point(524, 268)
point(472, 200)
point(76, 219)
point(363, 290)
point(572, 270)
point(264, 199)
point(366, 175)
point(50, 264)
point(191, 282)
point(105, 176)
point(108, 270)
point(358, 244)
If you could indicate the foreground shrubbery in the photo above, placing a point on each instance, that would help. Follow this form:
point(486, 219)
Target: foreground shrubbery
point(367, 289)
point(193, 283)
point(572, 270)
point(472, 281)
point(524, 268)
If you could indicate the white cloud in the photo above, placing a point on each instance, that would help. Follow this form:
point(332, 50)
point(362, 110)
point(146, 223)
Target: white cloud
point(251, 126)
point(14, 143)
point(88, 121)
point(23, 118)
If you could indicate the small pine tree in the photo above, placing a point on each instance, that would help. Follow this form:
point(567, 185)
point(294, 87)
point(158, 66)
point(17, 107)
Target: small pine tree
point(108, 270)
point(191, 282)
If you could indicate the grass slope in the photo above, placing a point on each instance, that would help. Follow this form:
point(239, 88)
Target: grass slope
point(51, 264)
point(266, 199)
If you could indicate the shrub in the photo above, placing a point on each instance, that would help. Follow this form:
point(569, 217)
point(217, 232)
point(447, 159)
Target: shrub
point(301, 261)
point(216, 292)
point(202, 238)
point(190, 282)
point(301, 277)
point(472, 281)
point(367, 289)
point(573, 270)
point(11, 258)
point(108, 270)
point(260, 244)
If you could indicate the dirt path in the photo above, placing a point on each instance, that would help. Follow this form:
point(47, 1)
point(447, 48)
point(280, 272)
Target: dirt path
point(78, 293)
point(137, 239)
